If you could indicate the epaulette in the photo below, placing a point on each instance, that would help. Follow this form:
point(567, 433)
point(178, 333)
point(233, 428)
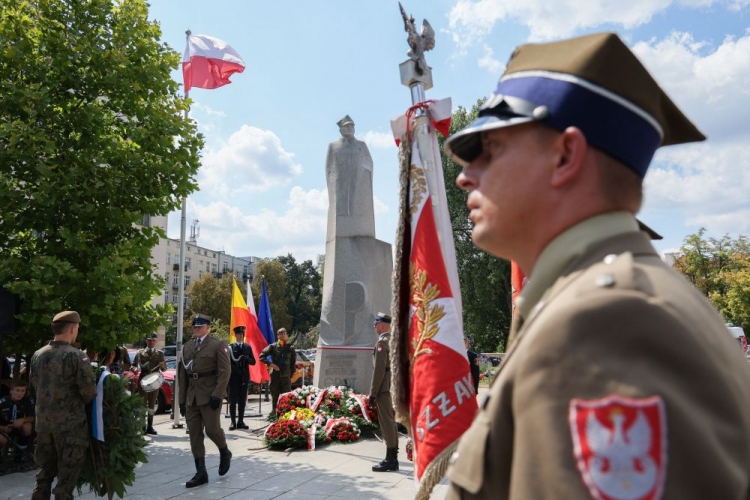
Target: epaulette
point(614, 272)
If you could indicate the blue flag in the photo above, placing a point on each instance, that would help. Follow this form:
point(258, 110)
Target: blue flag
point(265, 322)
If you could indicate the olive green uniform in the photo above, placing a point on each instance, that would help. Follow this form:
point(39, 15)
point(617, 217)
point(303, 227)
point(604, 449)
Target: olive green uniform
point(148, 361)
point(281, 380)
point(204, 372)
point(64, 383)
point(602, 315)
point(380, 389)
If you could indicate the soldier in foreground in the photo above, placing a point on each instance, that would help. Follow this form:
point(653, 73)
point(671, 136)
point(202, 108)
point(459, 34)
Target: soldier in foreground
point(147, 361)
point(620, 380)
point(242, 357)
point(380, 392)
point(64, 383)
point(204, 374)
point(283, 362)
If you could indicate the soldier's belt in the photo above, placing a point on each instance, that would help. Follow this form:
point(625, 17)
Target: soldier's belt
point(196, 376)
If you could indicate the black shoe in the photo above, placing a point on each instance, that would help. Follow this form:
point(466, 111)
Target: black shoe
point(225, 460)
point(151, 431)
point(242, 425)
point(232, 427)
point(390, 463)
point(201, 476)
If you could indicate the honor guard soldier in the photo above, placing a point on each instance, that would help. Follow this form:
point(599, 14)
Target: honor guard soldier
point(283, 362)
point(64, 383)
point(380, 392)
point(619, 380)
point(242, 357)
point(147, 361)
point(204, 375)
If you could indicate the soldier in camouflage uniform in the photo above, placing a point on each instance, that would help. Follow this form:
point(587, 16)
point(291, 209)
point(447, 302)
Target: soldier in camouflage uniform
point(64, 384)
point(283, 362)
point(147, 361)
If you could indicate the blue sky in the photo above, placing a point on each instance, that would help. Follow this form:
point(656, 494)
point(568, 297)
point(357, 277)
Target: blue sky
point(262, 182)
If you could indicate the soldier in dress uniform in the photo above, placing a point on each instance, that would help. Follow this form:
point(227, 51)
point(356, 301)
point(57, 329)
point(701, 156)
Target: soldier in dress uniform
point(242, 357)
point(204, 375)
point(380, 392)
point(64, 383)
point(147, 361)
point(283, 362)
point(620, 380)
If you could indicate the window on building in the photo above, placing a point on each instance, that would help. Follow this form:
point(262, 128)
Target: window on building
point(168, 257)
point(146, 221)
point(176, 279)
point(213, 267)
point(224, 266)
point(200, 274)
point(166, 298)
point(208, 267)
point(187, 281)
point(187, 263)
point(166, 277)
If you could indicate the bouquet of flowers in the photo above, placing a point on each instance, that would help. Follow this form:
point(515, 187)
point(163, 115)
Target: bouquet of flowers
point(334, 402)
point(342, 430)
point(287, 433)
point(368, 420)
point(288, 402)
point(298, 414)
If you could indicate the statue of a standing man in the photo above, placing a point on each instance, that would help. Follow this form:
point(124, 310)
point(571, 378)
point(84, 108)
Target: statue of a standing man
point(349, 177)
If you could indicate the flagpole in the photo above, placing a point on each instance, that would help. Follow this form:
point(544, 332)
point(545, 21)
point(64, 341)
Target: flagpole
point(176, 423)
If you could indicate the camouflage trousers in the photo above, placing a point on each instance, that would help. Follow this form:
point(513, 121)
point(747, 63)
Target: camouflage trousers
point(61, 455)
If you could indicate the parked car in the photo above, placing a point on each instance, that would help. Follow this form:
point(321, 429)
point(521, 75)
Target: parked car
point(170, 351)
point(739, 335)
point(304, 366)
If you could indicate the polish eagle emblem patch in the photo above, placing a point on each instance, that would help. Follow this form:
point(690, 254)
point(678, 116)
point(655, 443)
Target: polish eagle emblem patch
point(620, 446)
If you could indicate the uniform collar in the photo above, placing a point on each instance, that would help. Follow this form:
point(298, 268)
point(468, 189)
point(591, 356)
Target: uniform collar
point(566, 248)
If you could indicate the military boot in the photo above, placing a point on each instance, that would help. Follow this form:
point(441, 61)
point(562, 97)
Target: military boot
point(201, 476)
point(150, 428)
point(225, 459)
point(390, 463)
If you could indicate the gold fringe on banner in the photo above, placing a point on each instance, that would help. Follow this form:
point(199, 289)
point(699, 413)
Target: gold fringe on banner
point(399, 347)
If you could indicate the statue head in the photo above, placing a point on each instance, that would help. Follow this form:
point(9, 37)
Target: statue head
point(346, 127)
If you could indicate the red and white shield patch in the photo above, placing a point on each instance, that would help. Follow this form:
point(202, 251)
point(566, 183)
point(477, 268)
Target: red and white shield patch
point(620, 446)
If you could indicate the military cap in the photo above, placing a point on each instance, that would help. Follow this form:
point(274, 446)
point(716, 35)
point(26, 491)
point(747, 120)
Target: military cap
point(382, 318)
point(239, 329)
point(201, 320)
point(594, 83)
point(66, 317)
point(152, 336)
point(345, 120)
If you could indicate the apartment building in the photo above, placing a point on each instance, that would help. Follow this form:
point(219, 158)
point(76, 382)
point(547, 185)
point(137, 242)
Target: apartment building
point(199, 261)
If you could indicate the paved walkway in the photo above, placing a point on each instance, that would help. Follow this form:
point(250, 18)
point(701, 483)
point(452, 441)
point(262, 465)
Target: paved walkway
point(331, 471)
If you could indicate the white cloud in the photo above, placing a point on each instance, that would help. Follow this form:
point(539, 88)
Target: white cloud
point(301, 229)
point(379, 206)
point(252, 160)
point(380, 140)
point(711, 86)
point(470, 21)
point(488, 62)
point(207, 110)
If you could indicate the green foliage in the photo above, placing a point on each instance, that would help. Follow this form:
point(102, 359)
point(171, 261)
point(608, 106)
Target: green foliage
point(92, 137)
point(303, 293)
point(720, 270)
point(211, 296)
point(309, 339)
point(273, 272)
point(485, 280)
point(110, 465)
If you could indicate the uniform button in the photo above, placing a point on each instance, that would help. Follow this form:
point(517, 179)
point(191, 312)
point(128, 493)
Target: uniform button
point(453, 458)
point(605, 280)
point(610, 258)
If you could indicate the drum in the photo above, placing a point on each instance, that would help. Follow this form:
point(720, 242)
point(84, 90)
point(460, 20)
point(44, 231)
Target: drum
point(152, 381)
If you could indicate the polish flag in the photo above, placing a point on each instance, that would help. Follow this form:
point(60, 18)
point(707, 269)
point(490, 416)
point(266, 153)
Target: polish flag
point(242, 315)
point(517, 282)
point(438, 111)
point(434, 392)
point(209, 62)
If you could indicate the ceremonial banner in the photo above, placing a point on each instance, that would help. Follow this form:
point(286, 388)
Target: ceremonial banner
point(242, 315)
point(265, 321)
point(432, 385)
point(209, 62)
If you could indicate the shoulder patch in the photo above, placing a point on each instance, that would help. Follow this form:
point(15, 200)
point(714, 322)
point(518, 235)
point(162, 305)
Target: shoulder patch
point(631, 433)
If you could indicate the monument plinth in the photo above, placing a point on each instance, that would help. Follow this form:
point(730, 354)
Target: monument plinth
point(357, 274)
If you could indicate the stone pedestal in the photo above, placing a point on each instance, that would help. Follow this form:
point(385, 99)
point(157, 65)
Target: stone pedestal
point(351, 366)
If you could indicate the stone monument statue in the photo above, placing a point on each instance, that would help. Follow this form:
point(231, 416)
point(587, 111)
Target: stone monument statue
point(357, 274)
